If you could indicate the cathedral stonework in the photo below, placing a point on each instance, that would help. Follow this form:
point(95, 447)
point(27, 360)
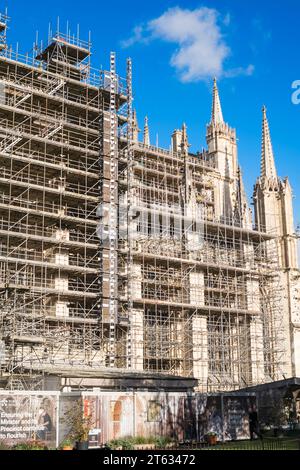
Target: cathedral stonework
point(123, 264)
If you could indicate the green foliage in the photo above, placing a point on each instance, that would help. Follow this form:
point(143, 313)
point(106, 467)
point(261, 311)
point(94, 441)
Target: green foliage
point(79, 424)
point(162, 441)
point(29, 445)
point(267, 444)
point(275, 411)
point(4, 446)
point(127, 443)
point(66, 443)
point(140, 440)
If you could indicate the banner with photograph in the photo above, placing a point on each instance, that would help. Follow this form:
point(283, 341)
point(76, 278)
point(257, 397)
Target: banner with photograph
point(26, 417)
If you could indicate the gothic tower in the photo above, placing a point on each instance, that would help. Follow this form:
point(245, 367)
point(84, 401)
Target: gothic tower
point(273, 202)
point(230, 197)
point(274, 214)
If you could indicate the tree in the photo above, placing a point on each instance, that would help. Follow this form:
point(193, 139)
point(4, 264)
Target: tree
point(79, 420)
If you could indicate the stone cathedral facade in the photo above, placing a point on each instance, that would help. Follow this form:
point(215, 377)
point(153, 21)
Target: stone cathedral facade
point(121, 260)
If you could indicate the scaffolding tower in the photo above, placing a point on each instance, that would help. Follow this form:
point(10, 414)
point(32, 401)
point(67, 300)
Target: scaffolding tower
point(56, 115)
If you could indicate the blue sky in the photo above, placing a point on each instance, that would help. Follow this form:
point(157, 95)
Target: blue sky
point(252, 46)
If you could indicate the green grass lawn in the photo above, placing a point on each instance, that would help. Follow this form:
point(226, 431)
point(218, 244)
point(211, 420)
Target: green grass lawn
point(268, 443)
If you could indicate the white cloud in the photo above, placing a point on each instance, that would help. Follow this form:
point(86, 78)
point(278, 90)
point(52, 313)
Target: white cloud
point(227, 19)
point(240, 71)
point(137, 36)
point(201, 48)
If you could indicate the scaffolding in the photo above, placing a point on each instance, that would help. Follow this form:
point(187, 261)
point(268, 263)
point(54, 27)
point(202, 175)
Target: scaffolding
point(211, 309)
point(51, 109)
point(105, 261)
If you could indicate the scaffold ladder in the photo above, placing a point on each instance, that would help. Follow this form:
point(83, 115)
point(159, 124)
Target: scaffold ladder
point(112, 212)
point(129, 209)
